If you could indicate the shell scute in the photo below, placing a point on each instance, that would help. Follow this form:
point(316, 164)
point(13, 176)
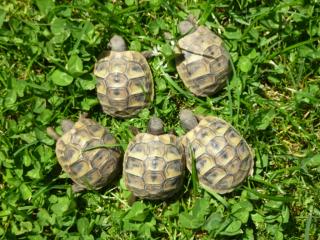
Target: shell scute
point(172, 153)
point(138, 85)
point(173, 169)
point(69, 155)
point(243, 150)
point(171, 184)
point(225, 182)
point(226, 155)
point(80, 168)
point(118, 65)
point(153, 178)
point(116, 80)
point(101, 69)
point(213, 176)
point(136, 181)
point(91, 177)
point(204, 163)
point(98, 158)
point(154, 163)
point(233, 167)
point(136, 101)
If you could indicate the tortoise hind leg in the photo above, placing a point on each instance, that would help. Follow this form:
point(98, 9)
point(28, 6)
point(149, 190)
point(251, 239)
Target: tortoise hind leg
point(77, 188)
point(148, 54)
point(132, 199)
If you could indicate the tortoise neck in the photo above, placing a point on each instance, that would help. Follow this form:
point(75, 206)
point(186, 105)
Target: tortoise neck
point(155, 131)
point(188, 119)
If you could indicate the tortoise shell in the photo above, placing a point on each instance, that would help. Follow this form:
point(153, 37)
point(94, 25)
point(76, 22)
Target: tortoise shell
point(223, 159)
point(154, 166)
point(125, 83)
point(93, 168)
point(203, 63)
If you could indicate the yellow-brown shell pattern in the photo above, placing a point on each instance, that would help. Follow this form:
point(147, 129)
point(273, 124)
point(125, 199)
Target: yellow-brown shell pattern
point(223, 158)
point(154, 166)
point(93, 168)
point(125, 83)
point(203, 64)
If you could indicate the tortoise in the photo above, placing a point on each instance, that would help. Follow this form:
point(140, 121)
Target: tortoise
point(154, 163)
point(124, 80)
point(223, 159)
point(81, 154)
point(202, 61)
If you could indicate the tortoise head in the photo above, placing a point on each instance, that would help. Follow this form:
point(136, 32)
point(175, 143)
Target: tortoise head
point(155, 126)
point(185, 27)
point(66, 125)
point(188, 119)
point(117, 43)
point(188, 26)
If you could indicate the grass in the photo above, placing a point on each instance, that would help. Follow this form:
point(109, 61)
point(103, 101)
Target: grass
point(48, 49)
